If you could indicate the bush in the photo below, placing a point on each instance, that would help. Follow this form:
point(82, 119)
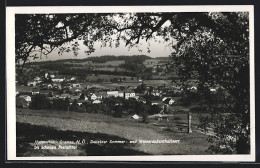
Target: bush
point(176, 118)
point(40, 102)
point(198, 109)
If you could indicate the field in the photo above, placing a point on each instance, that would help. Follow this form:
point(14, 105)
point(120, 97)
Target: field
point(44, 125)
point(109, 77)
point(23, 88)
point(156, 83)
point(87, 63)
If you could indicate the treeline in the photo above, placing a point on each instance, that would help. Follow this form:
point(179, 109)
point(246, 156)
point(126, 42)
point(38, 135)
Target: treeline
point(101, 59)
point(135, 69)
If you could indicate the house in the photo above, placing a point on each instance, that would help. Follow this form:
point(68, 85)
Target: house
point(26, 98)
point(64, 96)
point(156, 102)
point(52, 76)
point(56, 85)
point(193, 88)
point(169, 101)
point(46, 75)
point(112, 93)
point(96, 101)
point(58, 79)
point(93, 96)
point(165, 98)
point(136, 117)
point(129, 95)
point(21, 103)
point(37, 78)
point(78, 85)
point(31, 83)
point(156, 93)
point(49, 86)
point(99, 96)
point(35, 91)
point(213, 89)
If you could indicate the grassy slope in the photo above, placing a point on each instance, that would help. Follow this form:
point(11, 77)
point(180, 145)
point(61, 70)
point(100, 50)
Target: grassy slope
point(57, 125)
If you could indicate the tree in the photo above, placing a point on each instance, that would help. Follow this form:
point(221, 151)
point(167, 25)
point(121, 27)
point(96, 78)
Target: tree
point(40, 34)
point(210, 47)
point(155, 109)
point(214, 49)
point(82, 96)
point(40, 102)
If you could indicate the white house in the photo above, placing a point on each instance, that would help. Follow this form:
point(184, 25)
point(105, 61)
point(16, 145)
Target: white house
point(112, 93)
point(46, 75)
point(93, 97)
point(52, 76)
point(35, 91)
point(193, 88)
point(171, 102)
point(26, 97)
point(213, 89)
point(77, 85)
point(31, 83)
point(96, 101)
point(57, 85)
point(49, 86)
point(77, 90)
point(37, 78)
point(136, 117)
point(165, 98)
point(131, 94)
point(64, 96)
point(99, 96)
point(168, 100)
point(156, 93)
point(58, 79)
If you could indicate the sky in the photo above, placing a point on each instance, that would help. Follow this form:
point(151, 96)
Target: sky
point(157, 50)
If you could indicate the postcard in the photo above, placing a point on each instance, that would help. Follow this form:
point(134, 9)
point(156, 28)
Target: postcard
point(131, 83)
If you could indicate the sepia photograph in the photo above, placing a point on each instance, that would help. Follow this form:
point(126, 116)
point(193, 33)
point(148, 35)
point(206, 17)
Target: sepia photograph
point(131, 83)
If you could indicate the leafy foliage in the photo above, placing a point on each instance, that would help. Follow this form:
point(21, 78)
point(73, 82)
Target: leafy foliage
point(40, 102)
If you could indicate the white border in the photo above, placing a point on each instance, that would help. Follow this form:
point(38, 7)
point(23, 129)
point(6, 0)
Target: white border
point(10, 76)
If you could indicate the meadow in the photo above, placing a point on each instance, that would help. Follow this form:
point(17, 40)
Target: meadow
point(72, 126)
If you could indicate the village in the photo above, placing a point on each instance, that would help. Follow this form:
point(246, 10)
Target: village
point(161, 95)
point(71, 94)
point(59, 87)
